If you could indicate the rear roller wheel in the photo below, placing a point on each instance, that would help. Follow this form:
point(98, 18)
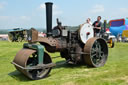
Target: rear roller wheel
point(96, 52)
point(28, 58)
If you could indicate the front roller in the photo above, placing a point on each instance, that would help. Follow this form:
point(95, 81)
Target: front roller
point(29, 62)
point(96, 52)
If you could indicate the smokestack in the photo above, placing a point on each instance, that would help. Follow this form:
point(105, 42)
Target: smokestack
point(49, 18)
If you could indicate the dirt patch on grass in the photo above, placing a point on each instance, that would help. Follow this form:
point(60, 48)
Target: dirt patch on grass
point(86, 69)
point(70, 83)
point(125, 78)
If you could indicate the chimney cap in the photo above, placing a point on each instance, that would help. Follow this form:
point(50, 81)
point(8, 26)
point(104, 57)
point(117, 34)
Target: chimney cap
point(48, 3)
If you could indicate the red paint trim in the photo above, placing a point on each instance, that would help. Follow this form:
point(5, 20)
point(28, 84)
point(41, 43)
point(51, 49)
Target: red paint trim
point(116, 20)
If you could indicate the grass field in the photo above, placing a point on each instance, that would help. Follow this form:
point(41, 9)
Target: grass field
point(115, 72)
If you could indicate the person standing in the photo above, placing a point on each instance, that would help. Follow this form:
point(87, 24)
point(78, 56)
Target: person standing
point(87, 21)
point(97, 26)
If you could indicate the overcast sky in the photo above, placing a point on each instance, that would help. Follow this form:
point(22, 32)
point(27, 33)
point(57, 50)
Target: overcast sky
point(31, 13)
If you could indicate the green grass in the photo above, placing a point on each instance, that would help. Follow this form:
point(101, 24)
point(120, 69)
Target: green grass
point(115, 71)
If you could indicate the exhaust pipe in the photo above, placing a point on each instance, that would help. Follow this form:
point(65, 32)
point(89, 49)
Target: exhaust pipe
point(49, 18)
point(105, 25)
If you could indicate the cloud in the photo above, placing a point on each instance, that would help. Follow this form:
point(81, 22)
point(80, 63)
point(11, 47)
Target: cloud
point(97, 9)
point(56, 10)
point(42, 6)
point(25, 18)
point(123, 10)
point(8, 22)
point(15, 18)
point(2, 5)
point(4, 17)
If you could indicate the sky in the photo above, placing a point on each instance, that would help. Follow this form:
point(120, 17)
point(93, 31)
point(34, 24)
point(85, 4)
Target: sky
point(31, 13)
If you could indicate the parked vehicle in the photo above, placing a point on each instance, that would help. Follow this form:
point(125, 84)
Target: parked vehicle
point(17, 35)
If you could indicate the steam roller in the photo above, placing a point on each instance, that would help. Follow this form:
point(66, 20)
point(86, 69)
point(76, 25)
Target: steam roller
point(76, 44)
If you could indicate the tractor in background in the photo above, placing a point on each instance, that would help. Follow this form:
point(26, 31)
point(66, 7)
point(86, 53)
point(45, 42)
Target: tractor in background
point(107, 35)
point(17, 35)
